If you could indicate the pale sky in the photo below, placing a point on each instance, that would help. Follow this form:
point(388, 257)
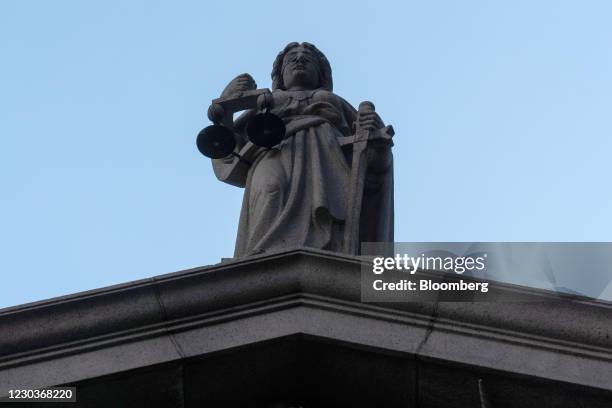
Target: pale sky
point(501, 111)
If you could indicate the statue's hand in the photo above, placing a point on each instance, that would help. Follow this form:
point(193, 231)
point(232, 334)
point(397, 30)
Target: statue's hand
point(242, 83)
point(369, 121)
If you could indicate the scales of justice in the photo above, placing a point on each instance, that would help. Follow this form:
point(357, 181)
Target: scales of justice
point(218, 140)
point(317, 172)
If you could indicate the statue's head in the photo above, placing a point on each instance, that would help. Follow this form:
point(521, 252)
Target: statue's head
point(303, 66)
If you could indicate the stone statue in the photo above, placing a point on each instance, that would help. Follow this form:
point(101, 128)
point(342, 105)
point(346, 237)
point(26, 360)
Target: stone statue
point(329, 183)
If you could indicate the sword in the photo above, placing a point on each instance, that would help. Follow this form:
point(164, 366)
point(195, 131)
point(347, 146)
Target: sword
point(357, 177)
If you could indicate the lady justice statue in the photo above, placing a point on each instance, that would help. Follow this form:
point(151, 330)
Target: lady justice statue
point(316, 172)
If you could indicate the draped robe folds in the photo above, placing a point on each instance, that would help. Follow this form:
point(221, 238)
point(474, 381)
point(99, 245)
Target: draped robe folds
point(296, 193)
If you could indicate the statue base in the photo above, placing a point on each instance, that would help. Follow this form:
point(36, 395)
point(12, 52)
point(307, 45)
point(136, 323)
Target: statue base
point(290, 328)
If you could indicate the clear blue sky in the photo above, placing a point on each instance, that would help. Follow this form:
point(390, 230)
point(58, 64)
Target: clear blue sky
point(502, 112)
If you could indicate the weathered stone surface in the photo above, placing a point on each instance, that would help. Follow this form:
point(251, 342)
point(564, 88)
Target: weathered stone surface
point(298, 305)
point(316, 172)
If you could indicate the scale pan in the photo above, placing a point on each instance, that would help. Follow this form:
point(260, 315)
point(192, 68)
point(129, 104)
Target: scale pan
point(216, 141)
point(266, 130)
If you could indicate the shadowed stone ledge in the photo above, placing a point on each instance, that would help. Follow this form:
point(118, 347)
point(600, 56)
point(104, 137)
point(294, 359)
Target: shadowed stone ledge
point(203, 311)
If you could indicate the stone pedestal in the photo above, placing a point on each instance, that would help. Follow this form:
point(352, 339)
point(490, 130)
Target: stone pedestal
point(290, 327)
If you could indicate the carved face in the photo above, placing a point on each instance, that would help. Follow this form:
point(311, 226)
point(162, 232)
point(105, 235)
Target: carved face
point(300, 69)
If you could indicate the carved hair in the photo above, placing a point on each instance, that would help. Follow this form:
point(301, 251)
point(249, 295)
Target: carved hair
point(325, 74)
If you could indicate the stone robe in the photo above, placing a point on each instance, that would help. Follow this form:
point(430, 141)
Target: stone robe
point(296, 193)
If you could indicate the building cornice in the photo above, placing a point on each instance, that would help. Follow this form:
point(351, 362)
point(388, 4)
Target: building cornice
point(303, 291)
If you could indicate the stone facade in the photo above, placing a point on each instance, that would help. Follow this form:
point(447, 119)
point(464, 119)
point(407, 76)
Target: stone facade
point(290, 328)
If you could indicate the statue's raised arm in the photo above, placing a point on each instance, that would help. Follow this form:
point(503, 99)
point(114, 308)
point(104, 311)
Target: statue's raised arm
point(316, 172)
